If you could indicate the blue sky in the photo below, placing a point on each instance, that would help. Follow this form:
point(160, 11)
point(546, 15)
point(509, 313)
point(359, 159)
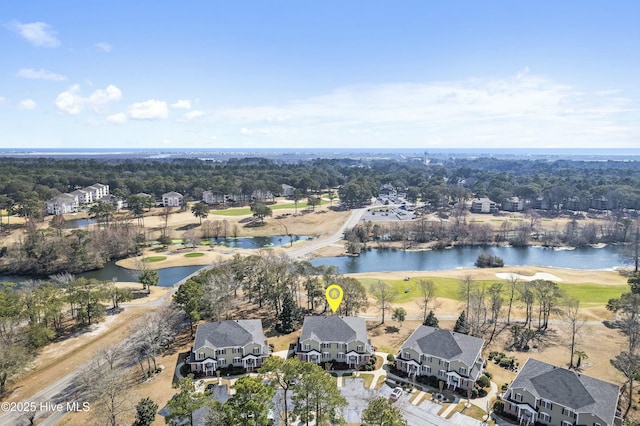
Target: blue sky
point(344, 74)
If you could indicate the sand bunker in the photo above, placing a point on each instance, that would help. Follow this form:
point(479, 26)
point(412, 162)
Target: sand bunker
point(536, 276)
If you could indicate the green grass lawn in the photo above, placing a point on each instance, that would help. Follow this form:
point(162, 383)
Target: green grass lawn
point(449, 288)
point(247, 211)
point(195, 254)
point(595, 294)
point(154, 259)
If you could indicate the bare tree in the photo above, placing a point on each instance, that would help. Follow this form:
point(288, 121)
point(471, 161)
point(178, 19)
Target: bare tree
point(495, 304)
point(164, 214)
point(548, 295)
point(384, 294)
point(575, 322)
point(107, 383)
point(152, 334)
point(466, 288)
point(512, 288)
point(526, 296)
point(477, 309)
point(427, 289)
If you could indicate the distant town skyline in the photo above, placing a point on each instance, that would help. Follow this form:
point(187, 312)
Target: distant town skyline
point(284, 74)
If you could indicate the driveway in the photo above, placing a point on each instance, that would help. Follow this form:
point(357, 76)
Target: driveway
point(425, 414)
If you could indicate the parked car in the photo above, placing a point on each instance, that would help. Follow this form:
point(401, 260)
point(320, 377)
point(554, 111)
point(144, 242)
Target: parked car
point(396, 393)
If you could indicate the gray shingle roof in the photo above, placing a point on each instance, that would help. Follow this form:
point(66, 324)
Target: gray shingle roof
point(334, 329)
point(583, 394)
point(231, 333)
point(445, 344)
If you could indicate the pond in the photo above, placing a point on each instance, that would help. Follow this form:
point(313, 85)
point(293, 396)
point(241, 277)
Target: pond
point(379, 260)
point(79, 223)
point(258, 242)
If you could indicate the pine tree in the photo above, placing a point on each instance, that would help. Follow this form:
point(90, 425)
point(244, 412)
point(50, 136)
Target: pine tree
point(288, 315)
point(145, 412)
point(431, 320)
point(461, 324)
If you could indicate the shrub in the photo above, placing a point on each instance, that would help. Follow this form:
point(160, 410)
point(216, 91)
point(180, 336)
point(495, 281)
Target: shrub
point(488, 261)
point(504, 387)
point(498, 407)
point(486, 373)
point(391, 358)
point(483, 382)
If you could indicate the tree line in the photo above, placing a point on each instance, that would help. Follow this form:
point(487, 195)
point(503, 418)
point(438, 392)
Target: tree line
point(287, 287)
point(27, 183)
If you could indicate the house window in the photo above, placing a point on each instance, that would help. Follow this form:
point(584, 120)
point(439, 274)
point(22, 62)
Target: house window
point(544, 417)
point(221, 351)
point(566, 423)
point(463, 370)
point(326, 346)
point(360, 348)
point(568, 413)
point(442, 373)
point(200, 355)
point(307, 347)
point(237, 350)
point(519, 397)
point(426, 369)
point(256, 351)
point(597, 424)
point(325, 355)
point(407, 355)
point(236, 360)
point(340, 355)
point(547, 404)
point(222, 362)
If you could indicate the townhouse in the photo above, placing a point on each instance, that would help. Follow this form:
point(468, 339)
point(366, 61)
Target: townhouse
point(454, 358)
point(238, 343)
point(334, 339)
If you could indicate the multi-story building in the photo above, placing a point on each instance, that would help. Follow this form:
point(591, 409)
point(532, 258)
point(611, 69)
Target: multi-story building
point(63, 203)
point(513, 204)
point(172, 199)
point(334, 339)
point(483, 205)
point(239, 343)
point(550, 395)
point(454, 358)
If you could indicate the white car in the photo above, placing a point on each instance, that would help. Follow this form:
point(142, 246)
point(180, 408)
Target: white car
point(395, 393)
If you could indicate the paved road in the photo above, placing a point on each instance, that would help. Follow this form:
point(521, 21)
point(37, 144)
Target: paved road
point(64, 390)
point(314, 245)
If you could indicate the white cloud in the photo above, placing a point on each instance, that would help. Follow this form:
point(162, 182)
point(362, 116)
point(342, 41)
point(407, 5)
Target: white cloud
point(72, 102)
point(103, 47)
point(192, 115)
point(182, 104)
point(2, 100)
point(37, 33)
point(40, 74)
point(523, 110)
point(149, 110)
point(27, 104)
point(119, 118)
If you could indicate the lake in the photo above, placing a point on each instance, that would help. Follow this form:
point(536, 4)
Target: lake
point(379, 260)
point(258, 242)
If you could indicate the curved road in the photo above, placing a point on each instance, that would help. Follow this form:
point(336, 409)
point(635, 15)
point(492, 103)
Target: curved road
point(314, 245)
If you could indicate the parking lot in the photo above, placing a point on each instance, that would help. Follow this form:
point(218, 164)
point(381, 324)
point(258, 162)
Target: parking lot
point(425, 414)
